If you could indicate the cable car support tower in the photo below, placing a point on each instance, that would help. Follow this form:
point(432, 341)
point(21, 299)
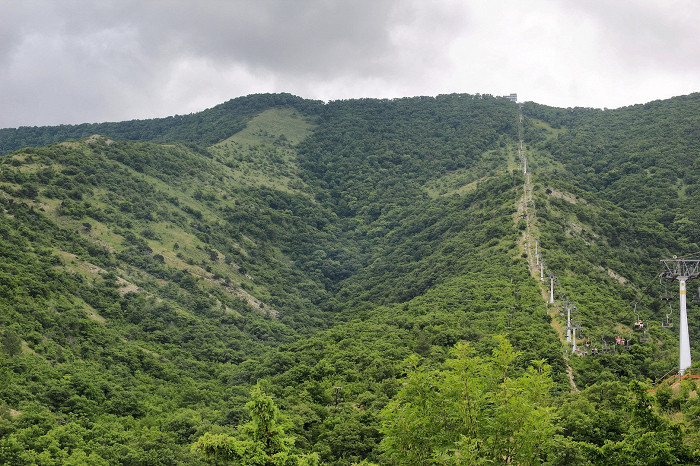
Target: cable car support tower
point(683, 270)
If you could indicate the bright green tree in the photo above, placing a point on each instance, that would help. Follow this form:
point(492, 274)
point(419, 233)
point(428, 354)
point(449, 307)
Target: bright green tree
point(261, 441)
point(470, 411)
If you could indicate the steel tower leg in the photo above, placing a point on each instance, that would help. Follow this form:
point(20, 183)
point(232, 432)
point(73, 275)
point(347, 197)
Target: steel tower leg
point(684, 359)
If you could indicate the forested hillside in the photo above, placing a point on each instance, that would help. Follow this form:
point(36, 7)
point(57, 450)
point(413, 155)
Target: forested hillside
point(282, 281)
point(618, 192)
point(203, 128)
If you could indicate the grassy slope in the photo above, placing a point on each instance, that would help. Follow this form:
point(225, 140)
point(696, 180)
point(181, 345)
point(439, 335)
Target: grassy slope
point(262, 154)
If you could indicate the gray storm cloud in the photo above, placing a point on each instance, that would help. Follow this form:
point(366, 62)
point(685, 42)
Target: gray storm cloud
point(77, 61)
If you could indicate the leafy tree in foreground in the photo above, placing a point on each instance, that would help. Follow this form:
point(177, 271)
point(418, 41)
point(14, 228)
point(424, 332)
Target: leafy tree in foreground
point(473, 410)
point(261, 441)
point(649, 437)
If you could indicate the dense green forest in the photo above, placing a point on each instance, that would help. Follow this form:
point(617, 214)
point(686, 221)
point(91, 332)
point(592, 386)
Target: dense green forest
point(281, 281)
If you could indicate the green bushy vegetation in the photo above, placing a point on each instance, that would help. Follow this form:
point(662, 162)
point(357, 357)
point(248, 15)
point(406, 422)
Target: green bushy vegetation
point(281, 281)
point(203, 128)
point(615, 191)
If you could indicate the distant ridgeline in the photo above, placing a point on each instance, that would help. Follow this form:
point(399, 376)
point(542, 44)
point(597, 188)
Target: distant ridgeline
point(281, 281)
point(204, 128)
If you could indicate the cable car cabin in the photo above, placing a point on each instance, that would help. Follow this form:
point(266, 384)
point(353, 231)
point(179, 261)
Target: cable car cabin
point(639, 324)
point(667, 323)
point(644, 338)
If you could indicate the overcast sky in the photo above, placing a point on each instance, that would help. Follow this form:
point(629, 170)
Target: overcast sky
point(73, 61)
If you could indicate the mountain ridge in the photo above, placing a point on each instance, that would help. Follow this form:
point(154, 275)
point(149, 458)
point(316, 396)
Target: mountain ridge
point(153, 283)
